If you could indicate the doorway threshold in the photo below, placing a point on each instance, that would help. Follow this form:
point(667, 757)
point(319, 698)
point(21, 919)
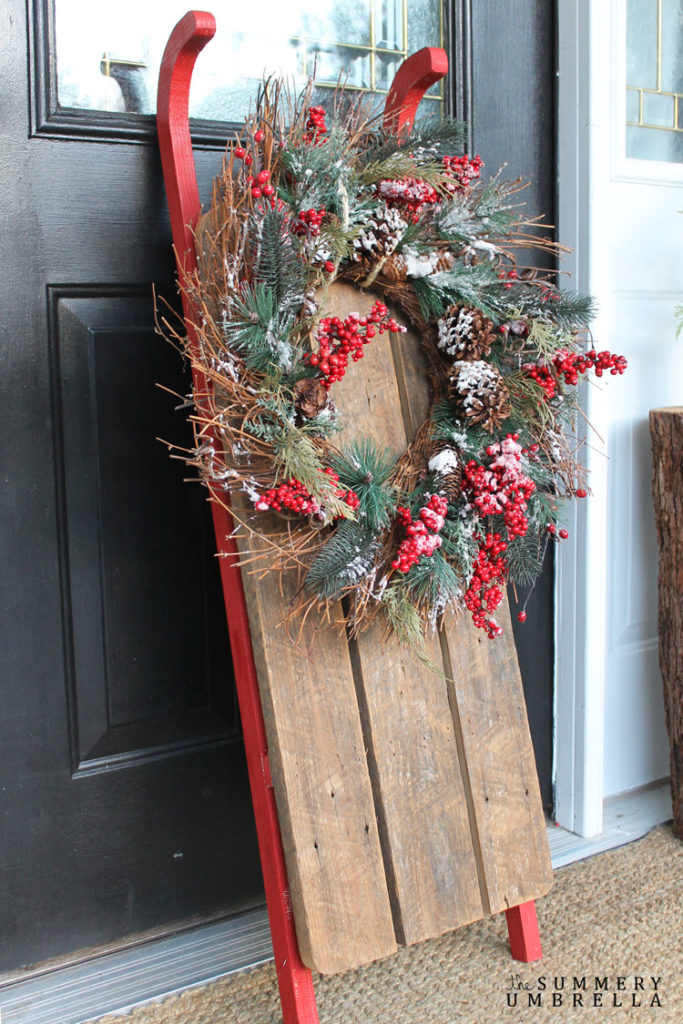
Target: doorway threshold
point(147, 972)
point(115, 982)
point(626, 817)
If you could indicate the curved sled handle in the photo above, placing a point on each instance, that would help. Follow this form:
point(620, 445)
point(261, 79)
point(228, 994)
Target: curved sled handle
point(185, 43)
point(413, 78)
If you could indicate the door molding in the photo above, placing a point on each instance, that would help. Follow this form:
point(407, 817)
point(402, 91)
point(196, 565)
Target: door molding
point(581, 573)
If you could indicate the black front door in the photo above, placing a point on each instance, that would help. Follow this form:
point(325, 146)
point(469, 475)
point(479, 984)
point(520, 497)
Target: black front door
point(123, 795)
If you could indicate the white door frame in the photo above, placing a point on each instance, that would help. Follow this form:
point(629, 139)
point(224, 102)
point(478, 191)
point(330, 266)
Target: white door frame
point(591, 163)
point(584, 34)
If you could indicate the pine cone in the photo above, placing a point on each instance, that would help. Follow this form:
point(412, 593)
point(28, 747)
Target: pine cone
point(380, 235)
point(394, 270)
point(480, 394)
point(466, 333)
point(310, 398)
point(444, 462)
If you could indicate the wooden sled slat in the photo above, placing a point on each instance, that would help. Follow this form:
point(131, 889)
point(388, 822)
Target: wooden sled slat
point(422, 811)
point(322, 785)
point(489, 701)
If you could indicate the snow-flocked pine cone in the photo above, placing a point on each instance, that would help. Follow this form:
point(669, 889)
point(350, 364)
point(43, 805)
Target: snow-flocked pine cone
point(444, 462)
point(394, 270)
point(379, 235)
point(466, 333)
point(480, 394)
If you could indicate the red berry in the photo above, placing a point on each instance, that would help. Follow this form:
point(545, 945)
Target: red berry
point(521, 616)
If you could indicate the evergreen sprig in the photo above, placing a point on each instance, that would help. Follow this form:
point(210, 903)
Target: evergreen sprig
point(278, 267)
point(260, 330)
point(345, 559)
point(367, 470)
point(567, 310)
point(433, 137)
point(476, 286)
point(432, 581)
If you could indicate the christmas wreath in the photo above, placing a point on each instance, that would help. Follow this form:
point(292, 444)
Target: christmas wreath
point(307, 197)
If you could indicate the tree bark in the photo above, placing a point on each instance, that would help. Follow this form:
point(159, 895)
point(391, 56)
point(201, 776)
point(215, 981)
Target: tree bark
point(666, 432)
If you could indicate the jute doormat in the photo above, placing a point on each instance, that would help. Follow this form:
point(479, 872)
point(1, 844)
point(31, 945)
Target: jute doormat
point(612, 932)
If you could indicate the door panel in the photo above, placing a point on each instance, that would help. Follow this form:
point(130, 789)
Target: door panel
point(128, 518)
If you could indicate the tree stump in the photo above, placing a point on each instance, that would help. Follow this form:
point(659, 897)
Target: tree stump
point(666, 432)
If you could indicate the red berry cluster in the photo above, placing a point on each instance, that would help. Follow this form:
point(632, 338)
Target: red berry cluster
point(509, 277)
point(543, 377)
point(293, 496)
point(501, 488)
point(485, 590)
point(315, 127)
point(241, 154)
point(411, 195)
point(337, 339)
point(568, 366)
point(463, 169)
point(260, 186)
point(308, 222)
point(422, 534)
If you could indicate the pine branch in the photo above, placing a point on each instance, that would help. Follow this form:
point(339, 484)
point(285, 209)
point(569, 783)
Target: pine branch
point(427, 140)
point(403, 165)
point(316, 174)
point(278, 266)
point(346, 558)
point(567, 310)
point(457, 541)
point(524, 557)
point(367, 470)
point(260, 331)
point(403, 617)
point(471, 215)
point(476, 286)
point(432, 581)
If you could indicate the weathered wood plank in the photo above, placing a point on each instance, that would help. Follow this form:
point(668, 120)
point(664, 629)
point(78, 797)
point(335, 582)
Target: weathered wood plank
point(322, 786)
point(419, 791)
point(666, 434)
point(491, 719)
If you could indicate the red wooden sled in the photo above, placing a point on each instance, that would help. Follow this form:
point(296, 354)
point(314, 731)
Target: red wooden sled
point(414, 77)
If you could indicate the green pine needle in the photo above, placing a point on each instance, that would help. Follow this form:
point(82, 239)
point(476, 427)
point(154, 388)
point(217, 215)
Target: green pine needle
point(367, 470)
point(474, 286)
point(427, 140)
point(346, 559)
point(260, 331)
point(278, 266)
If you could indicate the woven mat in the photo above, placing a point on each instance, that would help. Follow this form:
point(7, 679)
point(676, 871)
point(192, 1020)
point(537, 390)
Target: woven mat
point(615, 916)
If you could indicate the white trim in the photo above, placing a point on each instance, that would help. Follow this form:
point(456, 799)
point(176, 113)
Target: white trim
point(580, 627)
point(627, 817)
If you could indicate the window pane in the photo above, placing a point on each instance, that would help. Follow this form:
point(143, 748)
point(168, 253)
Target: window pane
point(654, 96)
point(108, 59)
point(641, 45)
